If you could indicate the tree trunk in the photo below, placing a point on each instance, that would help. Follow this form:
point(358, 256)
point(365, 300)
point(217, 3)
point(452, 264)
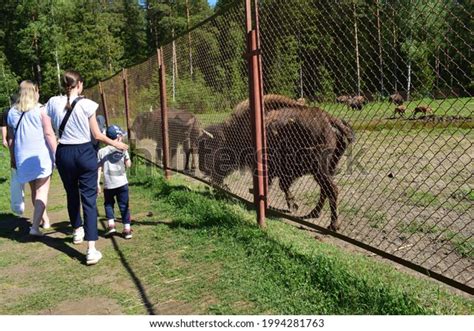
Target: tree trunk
point(301, 81)
point(188, 16)
point(175, 69)
point(356, 47)
point(410, 40)
point(437, 67)
point(379, 33)
point(6, 85)
point(394, 51)
point(58, 71)
point(409, 80)
point(38, 69)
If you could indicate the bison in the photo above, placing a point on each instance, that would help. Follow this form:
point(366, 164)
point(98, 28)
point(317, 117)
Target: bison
point(184, 129)
point(396, 99)
point(422, 109)
point(357, 102)
point(401, 109)
point(301, 140)
point(343, 99)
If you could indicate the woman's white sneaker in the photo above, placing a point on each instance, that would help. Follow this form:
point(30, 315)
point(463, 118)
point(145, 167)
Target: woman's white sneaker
point(93, 257)
point(78, 236)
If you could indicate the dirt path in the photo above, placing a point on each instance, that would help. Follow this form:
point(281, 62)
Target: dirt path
point(49, 276)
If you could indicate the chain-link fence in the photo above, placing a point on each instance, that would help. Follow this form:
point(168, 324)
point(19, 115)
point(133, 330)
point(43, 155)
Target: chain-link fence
point(368, 118)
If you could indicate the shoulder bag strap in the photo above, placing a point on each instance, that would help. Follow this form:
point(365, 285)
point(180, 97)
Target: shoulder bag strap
point(18, 124)
point(66, 118)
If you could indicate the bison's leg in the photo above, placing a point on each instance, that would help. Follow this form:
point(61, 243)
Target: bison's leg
point(159, 158)
point(331, 168)
point(187, 153)
point(173, 155)
point(331, 191)
point(285, 184)
point(194, 156)
point(316, 212)
point(186, 161)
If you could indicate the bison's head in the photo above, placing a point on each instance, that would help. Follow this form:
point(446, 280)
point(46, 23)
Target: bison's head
point(139, 126)
point(208, 143)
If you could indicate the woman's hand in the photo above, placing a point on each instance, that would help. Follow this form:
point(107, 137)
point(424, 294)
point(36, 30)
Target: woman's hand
point(120, 145)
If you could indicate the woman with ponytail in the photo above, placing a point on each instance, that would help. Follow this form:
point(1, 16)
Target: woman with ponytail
point(74, 119)
point(32, 145)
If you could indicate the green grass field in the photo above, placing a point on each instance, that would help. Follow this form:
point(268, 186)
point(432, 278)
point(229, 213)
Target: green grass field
point(379, 115)
point(195, 251)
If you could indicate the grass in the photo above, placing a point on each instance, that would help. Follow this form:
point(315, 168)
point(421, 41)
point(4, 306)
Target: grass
point(463, 107)
point(195, 251)
point(421, 198)
point(377, 220)
point(281, 270)
point(418, 227)
point(463, 245)
point(377, 116)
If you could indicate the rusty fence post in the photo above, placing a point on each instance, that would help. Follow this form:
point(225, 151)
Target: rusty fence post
point(104, 104)
point(164, 112)
point(261, 89)
point(256, 105)
point(126, 100)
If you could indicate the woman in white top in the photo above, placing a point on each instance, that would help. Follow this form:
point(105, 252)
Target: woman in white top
point(74, 119)
point(33, 145)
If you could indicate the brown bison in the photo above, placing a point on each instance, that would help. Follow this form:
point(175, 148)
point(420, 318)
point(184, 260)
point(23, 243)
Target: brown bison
point(401, 109)
point(357, 102)
point(422, 109)
point(343, 99)
point(396, 99)
point(301, 140)
point(184, 129)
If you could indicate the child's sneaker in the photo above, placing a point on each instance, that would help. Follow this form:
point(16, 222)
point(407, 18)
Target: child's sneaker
point(78, 236)
point(45, 225)
point(36, 232)
point(93, 257)
point(110, 229)
point(127, 233)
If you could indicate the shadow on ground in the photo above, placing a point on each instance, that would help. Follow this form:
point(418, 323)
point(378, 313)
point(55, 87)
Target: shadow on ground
point(17, 228)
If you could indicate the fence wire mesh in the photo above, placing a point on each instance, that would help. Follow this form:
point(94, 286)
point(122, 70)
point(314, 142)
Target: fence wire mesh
point(405, 184)
point(368, 109)
point(115, 100)
point(93, 93)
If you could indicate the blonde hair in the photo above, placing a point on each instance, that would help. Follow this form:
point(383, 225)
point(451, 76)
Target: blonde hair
point(27, 96)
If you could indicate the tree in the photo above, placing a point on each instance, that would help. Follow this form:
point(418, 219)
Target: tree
point(8, 84)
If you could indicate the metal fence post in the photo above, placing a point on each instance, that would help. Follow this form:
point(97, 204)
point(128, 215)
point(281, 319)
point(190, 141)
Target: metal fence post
point(125, 93)
point(256, 105)
point(260, 77)
point(104, 103)
point(164, 112)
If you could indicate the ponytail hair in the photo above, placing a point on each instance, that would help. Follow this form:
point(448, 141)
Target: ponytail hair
point(27, 98)
point(70, 80)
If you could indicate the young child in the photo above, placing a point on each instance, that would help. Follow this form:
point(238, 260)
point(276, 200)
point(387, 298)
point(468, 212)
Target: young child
point(114, 163)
